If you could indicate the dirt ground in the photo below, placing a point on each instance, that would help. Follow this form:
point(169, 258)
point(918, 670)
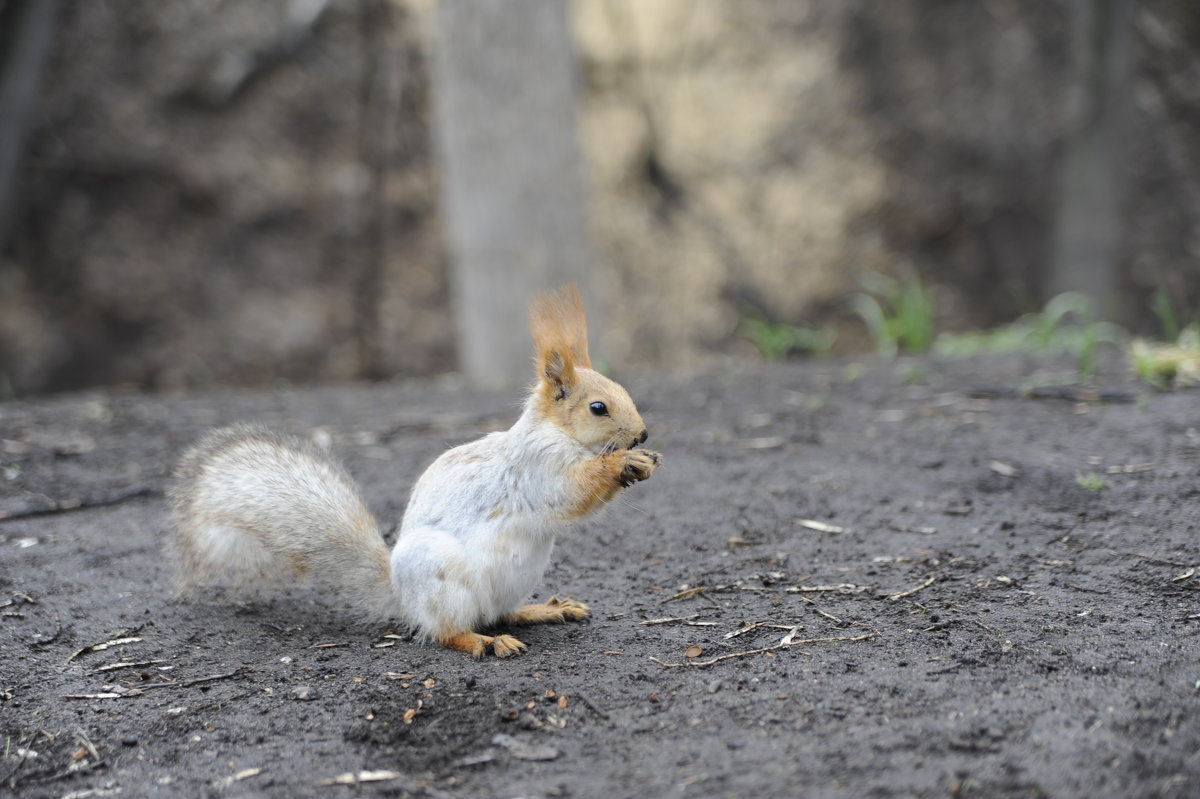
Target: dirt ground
point(998, 597)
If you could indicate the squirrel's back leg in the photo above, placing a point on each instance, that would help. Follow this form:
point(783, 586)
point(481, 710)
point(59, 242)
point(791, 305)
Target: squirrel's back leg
point(476, 644)
point(552, 610)
point(444, 594)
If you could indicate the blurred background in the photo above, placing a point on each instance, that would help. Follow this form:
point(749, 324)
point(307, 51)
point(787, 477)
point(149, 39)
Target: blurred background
point(217, 192)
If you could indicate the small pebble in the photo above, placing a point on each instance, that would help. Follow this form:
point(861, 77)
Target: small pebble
point(129, 740)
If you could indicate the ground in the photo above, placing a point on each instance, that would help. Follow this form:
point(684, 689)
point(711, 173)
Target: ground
point(985, 593)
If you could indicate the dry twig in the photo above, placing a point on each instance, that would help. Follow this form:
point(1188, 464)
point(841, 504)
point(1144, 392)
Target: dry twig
point(81, 736)
point(668, 620)
point(690, 592)
point(354, 778)
point(761, 650)
point(1154, 559)
point(820, 527)
point(900, 595)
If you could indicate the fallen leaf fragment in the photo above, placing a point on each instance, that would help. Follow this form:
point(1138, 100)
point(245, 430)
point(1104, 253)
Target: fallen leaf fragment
point(1190, 572)
point(840, 588)
point(688, 592)
point(244, 774)
point(820, 527)
point(486, 756)
point(523, 750)
point(354, 778)
point(409, 715)
point(1003, 469)
point(127, 665)
point(114, 642)
point(104, 695)
point(388, 640)
point(102, 646)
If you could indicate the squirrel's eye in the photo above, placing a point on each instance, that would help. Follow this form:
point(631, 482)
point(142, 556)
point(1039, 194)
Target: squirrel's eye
point(599, 408)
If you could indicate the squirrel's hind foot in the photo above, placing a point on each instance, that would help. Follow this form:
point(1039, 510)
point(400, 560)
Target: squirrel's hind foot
point(477, 645)
point(552, 610)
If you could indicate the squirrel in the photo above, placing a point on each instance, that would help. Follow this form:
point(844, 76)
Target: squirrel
point(249, 503)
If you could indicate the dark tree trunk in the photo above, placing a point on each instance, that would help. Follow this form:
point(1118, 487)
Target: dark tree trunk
point(26, 28)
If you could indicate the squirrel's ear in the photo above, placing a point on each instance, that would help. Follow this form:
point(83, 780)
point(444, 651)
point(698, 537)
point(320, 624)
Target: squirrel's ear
point(558, 372)
point(559, 328)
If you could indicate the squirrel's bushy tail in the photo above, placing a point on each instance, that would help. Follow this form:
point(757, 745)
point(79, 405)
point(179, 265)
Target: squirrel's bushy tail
point(251, 507)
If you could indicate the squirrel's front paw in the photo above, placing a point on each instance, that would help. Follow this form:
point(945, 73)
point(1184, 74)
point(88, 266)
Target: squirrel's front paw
point(639, 465)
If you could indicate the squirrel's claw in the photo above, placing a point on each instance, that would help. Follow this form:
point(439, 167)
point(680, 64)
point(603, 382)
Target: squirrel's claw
point(505, 645)
point(639, 465)
point(571, 609)
point(552, 610)
point(477, 645)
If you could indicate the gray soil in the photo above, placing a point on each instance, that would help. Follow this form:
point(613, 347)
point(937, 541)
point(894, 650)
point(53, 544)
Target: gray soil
point(1003, 602)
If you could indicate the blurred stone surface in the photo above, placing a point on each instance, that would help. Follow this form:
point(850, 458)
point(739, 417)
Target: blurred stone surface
point(227, 193)
point(223, 192)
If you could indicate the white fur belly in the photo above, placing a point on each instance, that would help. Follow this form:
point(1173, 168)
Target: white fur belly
point(447, 585)
point(511, 566)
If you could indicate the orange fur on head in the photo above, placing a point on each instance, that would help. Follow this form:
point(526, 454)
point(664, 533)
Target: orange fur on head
point(559, 326)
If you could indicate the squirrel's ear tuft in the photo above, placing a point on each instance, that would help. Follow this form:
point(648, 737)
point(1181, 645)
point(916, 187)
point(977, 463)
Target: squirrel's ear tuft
point(559, 326)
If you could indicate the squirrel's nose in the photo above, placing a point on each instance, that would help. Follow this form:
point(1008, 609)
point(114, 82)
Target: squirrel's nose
point(642, 438)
